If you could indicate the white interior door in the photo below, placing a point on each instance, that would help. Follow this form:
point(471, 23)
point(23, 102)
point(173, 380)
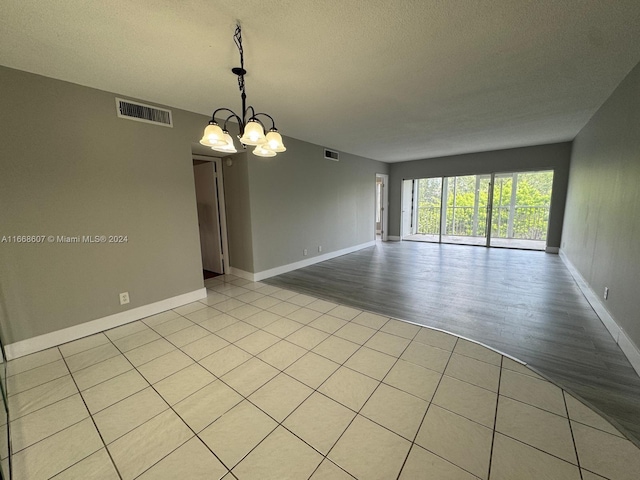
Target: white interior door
point(208, 216)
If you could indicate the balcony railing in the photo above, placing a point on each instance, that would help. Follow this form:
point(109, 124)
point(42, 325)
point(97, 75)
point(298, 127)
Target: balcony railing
point(528, 222)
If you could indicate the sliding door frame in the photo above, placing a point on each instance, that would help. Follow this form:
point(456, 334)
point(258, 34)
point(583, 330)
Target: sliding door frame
point(490, 209)
point(490, 201)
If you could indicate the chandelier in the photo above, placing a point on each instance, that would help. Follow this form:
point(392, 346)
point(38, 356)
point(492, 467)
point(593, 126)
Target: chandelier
point(251, 127)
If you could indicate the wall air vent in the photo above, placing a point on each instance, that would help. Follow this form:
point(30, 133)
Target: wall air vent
point(143, 113)
point(331, 155)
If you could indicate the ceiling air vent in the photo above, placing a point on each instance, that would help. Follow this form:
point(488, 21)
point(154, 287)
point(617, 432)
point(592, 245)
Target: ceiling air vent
point(331, 155)
point(143, 113)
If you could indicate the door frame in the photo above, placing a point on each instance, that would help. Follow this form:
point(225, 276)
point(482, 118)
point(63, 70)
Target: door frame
point(412, 214)
point(384, 204)
point(218, 179)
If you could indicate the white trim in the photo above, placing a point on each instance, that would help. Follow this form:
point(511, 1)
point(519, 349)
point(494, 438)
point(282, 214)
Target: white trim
point(552, 249)
point(384, 202)
point(53, 339)
point(222, 209)
point(242, 274)
point(394, 238)
point(258, 276)
point(630, 350)
point(403, 199)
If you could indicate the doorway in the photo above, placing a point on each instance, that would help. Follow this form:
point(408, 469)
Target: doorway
point(209, 186)
point(508, 210)
point(381, 211)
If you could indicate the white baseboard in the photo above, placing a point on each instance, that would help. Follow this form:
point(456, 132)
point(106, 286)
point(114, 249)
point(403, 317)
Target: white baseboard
point(631, 351)
point(242, 274)
point(393, 238)
point(302, 263)
point(53, 339)
point(552, 249)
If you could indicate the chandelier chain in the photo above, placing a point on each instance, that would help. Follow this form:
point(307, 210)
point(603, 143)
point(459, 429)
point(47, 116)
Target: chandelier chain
point(237, 38)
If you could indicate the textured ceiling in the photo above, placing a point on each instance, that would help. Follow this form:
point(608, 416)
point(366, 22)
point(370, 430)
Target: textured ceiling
point(392, 81)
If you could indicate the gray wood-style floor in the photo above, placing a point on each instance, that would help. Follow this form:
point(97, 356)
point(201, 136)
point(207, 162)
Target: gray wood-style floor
point(523, 303)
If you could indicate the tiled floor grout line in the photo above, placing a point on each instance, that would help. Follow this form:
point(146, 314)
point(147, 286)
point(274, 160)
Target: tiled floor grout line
point(324, 456)
point(597, 429)
point(217, 378)
point(538, 449)
point(254, 447)
point(246, 398)
point(279, 370)
point(314, 390)
point(13, 419)
point(63, 357)
point(40, 384)
point(94, 423)
point(181, 419)
point(413, 442)
point(537, 407)
point(114, 403)
point(179, 446)
point(573, 438)
point(370, 395)
point(169, 406)
point(495, 418)
point(14, 452)
point(497, 397)
point(289, 284)
point(34, 368)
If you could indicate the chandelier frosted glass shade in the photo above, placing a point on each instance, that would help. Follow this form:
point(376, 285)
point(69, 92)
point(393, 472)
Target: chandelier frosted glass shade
point(253, 134)
point(213, 136)
point(274, 141)
point(263, 151)
point(228, 147)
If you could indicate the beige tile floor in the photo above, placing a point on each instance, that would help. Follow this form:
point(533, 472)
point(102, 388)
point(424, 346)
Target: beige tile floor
point(256, 382)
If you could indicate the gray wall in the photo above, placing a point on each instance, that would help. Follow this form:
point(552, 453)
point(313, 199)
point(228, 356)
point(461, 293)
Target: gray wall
point(71, 167)
point(238, 209)
point(540, 157)
point(299, 200)
point(602, 220)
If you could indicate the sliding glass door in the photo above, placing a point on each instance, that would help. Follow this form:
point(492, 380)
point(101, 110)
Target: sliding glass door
point(521, 203)
point(429, 205)
point(464, 220)
point(460, 209)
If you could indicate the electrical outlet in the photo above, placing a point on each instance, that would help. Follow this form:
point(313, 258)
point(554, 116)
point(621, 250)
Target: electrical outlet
point(304, 252)
point(319, 248)
point(124, 298)
point(606, 293)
